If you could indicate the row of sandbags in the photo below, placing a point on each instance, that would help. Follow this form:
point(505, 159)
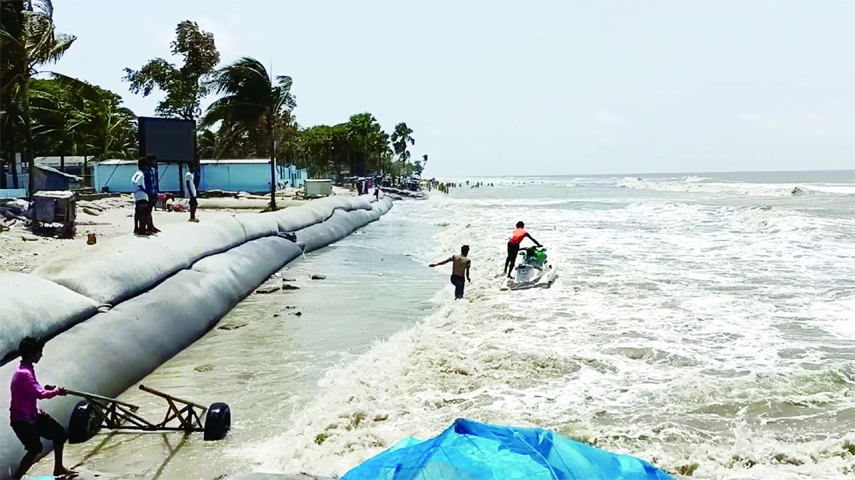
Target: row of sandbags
point(120, 268)
point(113, 350)
point(73, 285)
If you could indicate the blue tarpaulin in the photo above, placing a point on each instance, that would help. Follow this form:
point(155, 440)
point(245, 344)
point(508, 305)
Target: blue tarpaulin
point(470, 450)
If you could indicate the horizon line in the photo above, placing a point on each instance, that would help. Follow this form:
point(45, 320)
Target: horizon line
point(629, 174)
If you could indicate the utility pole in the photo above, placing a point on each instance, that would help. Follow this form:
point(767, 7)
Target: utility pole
point(271, 122)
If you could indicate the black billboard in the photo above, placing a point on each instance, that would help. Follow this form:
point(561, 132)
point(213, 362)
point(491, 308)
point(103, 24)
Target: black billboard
point(169, 139)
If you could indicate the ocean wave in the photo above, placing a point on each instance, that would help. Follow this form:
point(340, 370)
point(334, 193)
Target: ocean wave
point(710, 186)
point(694, 335)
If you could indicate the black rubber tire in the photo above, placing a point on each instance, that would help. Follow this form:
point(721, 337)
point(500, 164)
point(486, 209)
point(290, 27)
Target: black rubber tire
point(218, 421)
point(82, 425)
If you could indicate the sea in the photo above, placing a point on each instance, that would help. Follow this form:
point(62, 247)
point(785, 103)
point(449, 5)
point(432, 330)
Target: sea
point(703, 322)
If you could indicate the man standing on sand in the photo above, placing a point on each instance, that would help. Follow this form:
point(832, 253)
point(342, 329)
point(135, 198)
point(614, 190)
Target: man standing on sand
point(27, 420)
point(459, 267)
point(190, 185)
point(140, 200)
point(150, 173)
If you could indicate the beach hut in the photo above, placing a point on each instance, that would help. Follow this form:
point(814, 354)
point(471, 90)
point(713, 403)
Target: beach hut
point(49, 178)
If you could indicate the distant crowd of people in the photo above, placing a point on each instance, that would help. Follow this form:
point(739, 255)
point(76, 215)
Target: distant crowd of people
point(146, 195)
point(445, 187)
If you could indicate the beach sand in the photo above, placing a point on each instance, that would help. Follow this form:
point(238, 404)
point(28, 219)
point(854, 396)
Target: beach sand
point(22, 251)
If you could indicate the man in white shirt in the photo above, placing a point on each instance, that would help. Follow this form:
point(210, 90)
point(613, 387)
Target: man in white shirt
point(140, 199)
point(190, 185)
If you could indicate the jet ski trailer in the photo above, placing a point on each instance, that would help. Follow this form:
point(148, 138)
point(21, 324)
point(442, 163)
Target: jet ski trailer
point(534, 271)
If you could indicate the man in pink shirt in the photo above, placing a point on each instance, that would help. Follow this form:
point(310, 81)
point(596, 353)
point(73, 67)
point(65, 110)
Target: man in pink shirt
point(27, 420)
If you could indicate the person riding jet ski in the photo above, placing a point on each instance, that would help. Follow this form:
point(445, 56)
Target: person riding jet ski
point(517, 237)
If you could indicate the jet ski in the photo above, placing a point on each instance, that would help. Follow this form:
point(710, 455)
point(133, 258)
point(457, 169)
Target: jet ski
point(534, 271)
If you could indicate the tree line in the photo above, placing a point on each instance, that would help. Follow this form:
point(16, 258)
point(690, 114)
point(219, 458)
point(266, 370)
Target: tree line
point(252, 116)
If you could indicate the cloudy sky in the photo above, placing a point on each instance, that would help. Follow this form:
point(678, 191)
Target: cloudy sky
point(497, 87)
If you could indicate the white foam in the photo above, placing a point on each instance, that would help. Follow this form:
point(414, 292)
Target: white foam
point(695, 335)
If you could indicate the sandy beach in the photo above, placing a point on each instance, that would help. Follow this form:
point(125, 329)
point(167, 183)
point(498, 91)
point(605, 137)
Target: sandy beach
point(21, 250)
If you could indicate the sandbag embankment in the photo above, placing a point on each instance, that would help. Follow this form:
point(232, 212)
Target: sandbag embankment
point(112, 351)
point(33, 306)
point(339, 225)
point(122, 267)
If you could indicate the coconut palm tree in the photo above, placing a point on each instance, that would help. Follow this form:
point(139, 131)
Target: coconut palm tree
point(400, 137)
point(37, 44)
point(107, 128)
point(206, 144)
point(60, 118)
point(252, 106)
point(380, 146)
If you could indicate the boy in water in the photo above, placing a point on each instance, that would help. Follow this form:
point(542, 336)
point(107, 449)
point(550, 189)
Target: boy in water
point(27, 420)
point(459, 268)
point(517, 237)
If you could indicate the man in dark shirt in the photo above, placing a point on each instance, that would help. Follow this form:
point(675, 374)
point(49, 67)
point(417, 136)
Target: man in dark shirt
point(151, 190)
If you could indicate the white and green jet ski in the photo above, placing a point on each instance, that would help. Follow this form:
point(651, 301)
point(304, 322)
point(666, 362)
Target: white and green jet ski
point(534, 271)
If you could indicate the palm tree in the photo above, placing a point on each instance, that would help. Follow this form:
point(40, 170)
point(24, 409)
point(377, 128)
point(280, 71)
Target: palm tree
point(107, 128)
point(252, 106)
point(38, 44)
point(61, 120)
point(206, 143)
point(400, 138)
point(360, 127)
point(381, 147)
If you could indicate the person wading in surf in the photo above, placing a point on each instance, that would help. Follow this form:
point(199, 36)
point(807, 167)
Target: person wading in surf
point(517, 237)
point(459, 267)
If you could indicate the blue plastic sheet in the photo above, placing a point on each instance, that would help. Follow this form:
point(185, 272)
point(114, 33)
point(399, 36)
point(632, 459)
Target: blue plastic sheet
point(471, 450)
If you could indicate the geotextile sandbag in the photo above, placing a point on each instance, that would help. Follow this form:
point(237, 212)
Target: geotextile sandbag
point(293, 219)
point(122, 267)
point(173, 288)
point(33, 306)
point(251, 263)
point(257, 225)
point(316, 236)
point(114, 350)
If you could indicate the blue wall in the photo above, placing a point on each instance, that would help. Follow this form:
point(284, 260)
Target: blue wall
point(118, 177)
point(290, 175)
point(224, 175)
point(235, 177)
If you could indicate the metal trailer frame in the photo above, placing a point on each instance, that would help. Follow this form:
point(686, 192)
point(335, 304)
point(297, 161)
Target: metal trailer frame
point(96, 412)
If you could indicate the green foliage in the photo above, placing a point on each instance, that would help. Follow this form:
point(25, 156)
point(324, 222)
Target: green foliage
point(31, 43)
point(400, 137)
point(184, 86)
point(28, 40)
point(252, 118)
point(253, 113)
point(206, 144)
point(72, 117)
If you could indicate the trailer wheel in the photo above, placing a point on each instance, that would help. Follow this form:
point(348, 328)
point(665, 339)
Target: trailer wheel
point(218, 421)
point(82, 425)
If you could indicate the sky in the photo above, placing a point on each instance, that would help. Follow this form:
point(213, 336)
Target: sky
point(495, 87)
